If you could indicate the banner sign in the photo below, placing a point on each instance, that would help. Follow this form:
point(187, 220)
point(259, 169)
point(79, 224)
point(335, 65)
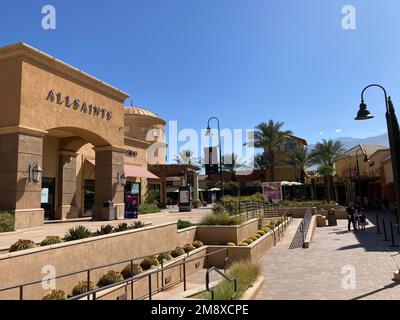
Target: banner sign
point(272, 191)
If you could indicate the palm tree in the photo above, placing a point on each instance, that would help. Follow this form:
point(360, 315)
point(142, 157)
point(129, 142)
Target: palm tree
point(270, 137)
point(261, 163)
point(232, 163)
point(299, 158)
point(186, 157)
point(325, 154)
point(327, 172)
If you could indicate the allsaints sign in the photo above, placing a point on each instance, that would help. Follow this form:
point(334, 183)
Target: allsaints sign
point(76, 104)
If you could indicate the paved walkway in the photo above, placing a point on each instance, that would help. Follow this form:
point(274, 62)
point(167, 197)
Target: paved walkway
point(316, 273)
point(58, 229)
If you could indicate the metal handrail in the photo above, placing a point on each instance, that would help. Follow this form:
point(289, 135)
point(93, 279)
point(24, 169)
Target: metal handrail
point(148, 274)
point(233, 280)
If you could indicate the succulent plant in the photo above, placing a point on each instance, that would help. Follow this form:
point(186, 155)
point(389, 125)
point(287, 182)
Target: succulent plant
point(129, 272)
point(105, 229)
point(261, 232)
point(77, 233)
point(197, 244)
point(177, 252)
point(55, 295)
point(149, 262)
point(109, 277)
point(231, 244)
point(22, 244)
point(242, 244)
point(51, 240)
point(137, 225)
point(82, 287)
point(121, 227)
point(188, 247)
point(248, 241)
point(257, 236)
point(163, 257)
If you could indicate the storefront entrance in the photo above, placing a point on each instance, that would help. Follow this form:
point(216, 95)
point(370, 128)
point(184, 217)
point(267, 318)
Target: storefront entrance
point(47, 197)
point(132, 199)
point(88, 197)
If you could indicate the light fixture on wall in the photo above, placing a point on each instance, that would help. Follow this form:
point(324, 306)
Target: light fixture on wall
point(35, 173)
point(122, 178)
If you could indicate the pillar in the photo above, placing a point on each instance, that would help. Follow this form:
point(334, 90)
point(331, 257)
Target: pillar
point(109, 164)
point(67, 207)
point(196, 202)
point(18, 195)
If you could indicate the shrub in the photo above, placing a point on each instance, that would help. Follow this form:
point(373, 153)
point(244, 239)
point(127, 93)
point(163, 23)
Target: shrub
point(149, 262)
point(254, 238)
point(108, 278)
point(106, 229)
point(129, 272)
point(220, 219)
point(163, 257)
point(266, 229)
point(182, 224)
point(137, 225)
point(7, 222)
point(146, 208)
point(261, 232)
point(248, 241)
point(231, 244)
point(257, 236)
point(242, 244)
point(51, 240)
point(82, 287)
point(197, 244)
point(188, 247)
point(152, 197)
point(55, 295)
point(121, 227)
point(76, 233)
point(22, 245)
point(245, 273)
point(177, 252)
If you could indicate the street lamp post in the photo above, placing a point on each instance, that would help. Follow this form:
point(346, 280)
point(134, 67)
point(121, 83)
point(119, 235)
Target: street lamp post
point(394, 137)
point(208, 132)
point(358, 170)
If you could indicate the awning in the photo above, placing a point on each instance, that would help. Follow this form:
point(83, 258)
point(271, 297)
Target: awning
point(291, 183)
point(133, 171)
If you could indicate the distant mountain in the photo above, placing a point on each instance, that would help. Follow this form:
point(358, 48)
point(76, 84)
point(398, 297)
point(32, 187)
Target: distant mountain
point(349, 142)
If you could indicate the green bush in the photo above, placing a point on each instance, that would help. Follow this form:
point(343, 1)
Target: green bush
point(77, 233)
point(82, 287)
point(231, 244)
point(137, 225)
point(163, 257)
point(129, 272)
point(188, 247)
point(55, 295)
point(197, 244)
point(110, 277)
point(261, 232)
point(245, 273)
point(149, 262)
point(146, 208)
point(182, 224)
point(105, 229)
point(306, 203)
point(121, 227)
point(242, 244)
point(22, 245)
point(177, 252)
point(50, 240)
point(220, 219)
point(152, 197)
point(7, 222)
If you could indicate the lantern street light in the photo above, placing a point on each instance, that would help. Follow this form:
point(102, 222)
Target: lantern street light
point(122, 178)
point(34, 173)
point(394, 137)
point(358, 170)
point(208, 133)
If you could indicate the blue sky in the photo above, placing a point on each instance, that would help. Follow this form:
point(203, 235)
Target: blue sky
point(243, 61)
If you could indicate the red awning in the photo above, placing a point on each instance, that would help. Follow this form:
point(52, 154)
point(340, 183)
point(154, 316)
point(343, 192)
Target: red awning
point(133, 171)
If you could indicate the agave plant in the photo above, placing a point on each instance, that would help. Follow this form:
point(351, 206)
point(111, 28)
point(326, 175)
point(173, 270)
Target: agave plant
point(106, 229)
point(137, 225)
point(121, 227)
point(76, 233)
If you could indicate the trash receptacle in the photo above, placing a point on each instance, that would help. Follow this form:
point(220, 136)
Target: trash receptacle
point(332, 220)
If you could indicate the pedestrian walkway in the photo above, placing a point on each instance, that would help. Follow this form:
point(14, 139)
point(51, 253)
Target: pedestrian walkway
point(338, 265)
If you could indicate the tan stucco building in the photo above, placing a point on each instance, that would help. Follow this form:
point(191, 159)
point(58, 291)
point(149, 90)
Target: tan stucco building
point(74, 128)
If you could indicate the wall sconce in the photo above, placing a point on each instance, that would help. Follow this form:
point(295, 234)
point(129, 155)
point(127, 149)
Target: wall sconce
point(35, 173)
point(122, 179)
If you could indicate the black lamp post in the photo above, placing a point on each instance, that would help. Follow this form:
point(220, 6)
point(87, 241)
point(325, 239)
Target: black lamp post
point(358, 170)
point(208, 133)
point(394, 137)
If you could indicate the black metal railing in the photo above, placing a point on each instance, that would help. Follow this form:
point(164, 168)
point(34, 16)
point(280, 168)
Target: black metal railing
point(231, 280)
point(301, 232)
point(252, 209)
point(89, 272)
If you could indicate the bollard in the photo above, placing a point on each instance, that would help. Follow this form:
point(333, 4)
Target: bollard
point(377, 225)
point(392, 234)
point(384, 229)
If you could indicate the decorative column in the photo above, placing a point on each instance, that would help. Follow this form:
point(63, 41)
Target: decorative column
point(19, 194)
point(109, 165)
point(67, 186)
point(196, 202)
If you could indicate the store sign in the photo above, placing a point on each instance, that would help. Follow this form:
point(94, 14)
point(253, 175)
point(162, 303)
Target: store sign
point(131, 153)
point(78, 105)
point(44, 195)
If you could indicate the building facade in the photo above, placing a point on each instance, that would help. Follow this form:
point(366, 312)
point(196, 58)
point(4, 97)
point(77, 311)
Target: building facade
point(67, 144)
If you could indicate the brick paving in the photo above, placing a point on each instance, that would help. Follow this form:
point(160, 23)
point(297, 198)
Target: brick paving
point(316, 273)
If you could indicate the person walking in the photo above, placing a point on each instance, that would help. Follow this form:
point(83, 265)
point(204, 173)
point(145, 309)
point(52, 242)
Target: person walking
point(351, 215)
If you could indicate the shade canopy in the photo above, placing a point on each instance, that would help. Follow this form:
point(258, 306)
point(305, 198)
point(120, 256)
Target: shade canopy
point(133, 171)
point(214, 189)
point(291, 183)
